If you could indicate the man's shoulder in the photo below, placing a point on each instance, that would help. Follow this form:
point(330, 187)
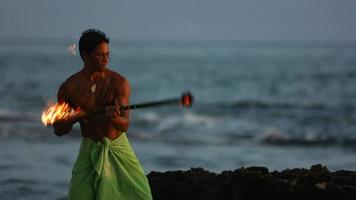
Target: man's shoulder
point(117, 76)
point(71, 81)
point(72, 78)
point(120, 83)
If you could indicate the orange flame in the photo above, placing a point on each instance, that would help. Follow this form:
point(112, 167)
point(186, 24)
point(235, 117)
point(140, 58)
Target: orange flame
point(55, 112)
point(187, 99)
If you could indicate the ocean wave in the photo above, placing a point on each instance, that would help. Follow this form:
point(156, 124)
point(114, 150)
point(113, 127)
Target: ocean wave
point(274, 136)
point(16, 181)
point(309, 128)
point(146, 119)
point(248, 104)
point(266, 104)
point(12, 116)
point(164, 122)
point(328, 141)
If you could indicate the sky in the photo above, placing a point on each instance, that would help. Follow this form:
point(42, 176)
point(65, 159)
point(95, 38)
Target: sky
point(291, 20)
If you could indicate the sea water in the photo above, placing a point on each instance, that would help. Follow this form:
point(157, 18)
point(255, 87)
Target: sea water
point(274, 104)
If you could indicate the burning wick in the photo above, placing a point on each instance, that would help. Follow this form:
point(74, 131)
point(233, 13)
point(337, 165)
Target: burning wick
point(55, 112)
point(72, 49)
point(187, 99)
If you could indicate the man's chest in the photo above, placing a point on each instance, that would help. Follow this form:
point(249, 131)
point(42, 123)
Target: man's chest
point(91, 96)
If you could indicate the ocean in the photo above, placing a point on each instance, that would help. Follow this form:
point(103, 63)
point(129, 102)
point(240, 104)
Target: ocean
point(276, 104)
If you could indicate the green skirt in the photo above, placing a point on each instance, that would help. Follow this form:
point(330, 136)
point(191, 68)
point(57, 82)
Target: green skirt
point(107, 170)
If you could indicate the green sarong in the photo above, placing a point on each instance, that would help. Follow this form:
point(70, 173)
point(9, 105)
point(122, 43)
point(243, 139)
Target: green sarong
point(108, 170)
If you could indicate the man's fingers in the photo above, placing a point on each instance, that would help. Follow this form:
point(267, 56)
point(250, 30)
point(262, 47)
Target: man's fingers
point(116, 102)
point(112, 111)
point(117, 111)
point(117, 107)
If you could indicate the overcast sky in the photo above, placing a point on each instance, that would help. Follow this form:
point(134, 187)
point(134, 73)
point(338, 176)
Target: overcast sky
point(182, 19)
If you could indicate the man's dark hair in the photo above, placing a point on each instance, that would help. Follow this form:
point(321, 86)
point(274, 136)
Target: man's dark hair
point(90, 39)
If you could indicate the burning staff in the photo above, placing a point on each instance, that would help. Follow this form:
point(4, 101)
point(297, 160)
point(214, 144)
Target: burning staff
point(63, 111)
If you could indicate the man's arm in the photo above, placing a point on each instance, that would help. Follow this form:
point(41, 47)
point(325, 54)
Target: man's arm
point(120, 119)
point(65, 126)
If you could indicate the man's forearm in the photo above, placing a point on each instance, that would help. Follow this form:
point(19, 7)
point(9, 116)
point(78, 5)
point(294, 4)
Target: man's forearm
point(121, 123)
point(62, 127)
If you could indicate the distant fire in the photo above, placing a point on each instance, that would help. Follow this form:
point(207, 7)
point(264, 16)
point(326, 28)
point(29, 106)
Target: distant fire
point(72, 49)
point(55, 112)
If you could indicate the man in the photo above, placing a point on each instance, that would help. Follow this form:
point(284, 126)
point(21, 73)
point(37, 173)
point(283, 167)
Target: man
point(106, 167)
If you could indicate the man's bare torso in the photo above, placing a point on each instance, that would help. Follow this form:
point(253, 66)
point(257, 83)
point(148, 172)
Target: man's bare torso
point(88, 94)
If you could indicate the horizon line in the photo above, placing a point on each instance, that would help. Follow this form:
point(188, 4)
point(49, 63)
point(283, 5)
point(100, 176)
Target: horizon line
point(53, 40)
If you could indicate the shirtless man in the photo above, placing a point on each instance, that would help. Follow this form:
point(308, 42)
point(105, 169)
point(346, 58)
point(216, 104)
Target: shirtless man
point(98, 173)
point(93, 88)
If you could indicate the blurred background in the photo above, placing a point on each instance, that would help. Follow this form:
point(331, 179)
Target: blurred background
point(274, 84)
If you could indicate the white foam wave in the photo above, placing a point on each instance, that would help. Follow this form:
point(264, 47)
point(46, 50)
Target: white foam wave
point(272, 134)
point(8, 115)
point(149, 117)
point(197, 119)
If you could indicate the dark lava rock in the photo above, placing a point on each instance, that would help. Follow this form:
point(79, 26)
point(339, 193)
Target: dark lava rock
point(254, 183)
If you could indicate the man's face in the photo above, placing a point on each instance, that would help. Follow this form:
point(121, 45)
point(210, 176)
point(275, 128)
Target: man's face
point(99, 58)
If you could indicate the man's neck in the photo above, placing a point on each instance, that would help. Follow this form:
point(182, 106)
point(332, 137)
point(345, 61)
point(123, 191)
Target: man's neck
point(92, 74)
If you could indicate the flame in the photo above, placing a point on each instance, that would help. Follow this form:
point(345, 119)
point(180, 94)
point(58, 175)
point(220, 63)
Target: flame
point(55, 112)
point(187, 99)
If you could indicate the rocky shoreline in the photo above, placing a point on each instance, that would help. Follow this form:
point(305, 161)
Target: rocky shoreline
point(254, 183)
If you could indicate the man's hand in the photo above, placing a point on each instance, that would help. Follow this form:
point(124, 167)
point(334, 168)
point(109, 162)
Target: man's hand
point(113, 111)
point(72, 118)
point(64, 126)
